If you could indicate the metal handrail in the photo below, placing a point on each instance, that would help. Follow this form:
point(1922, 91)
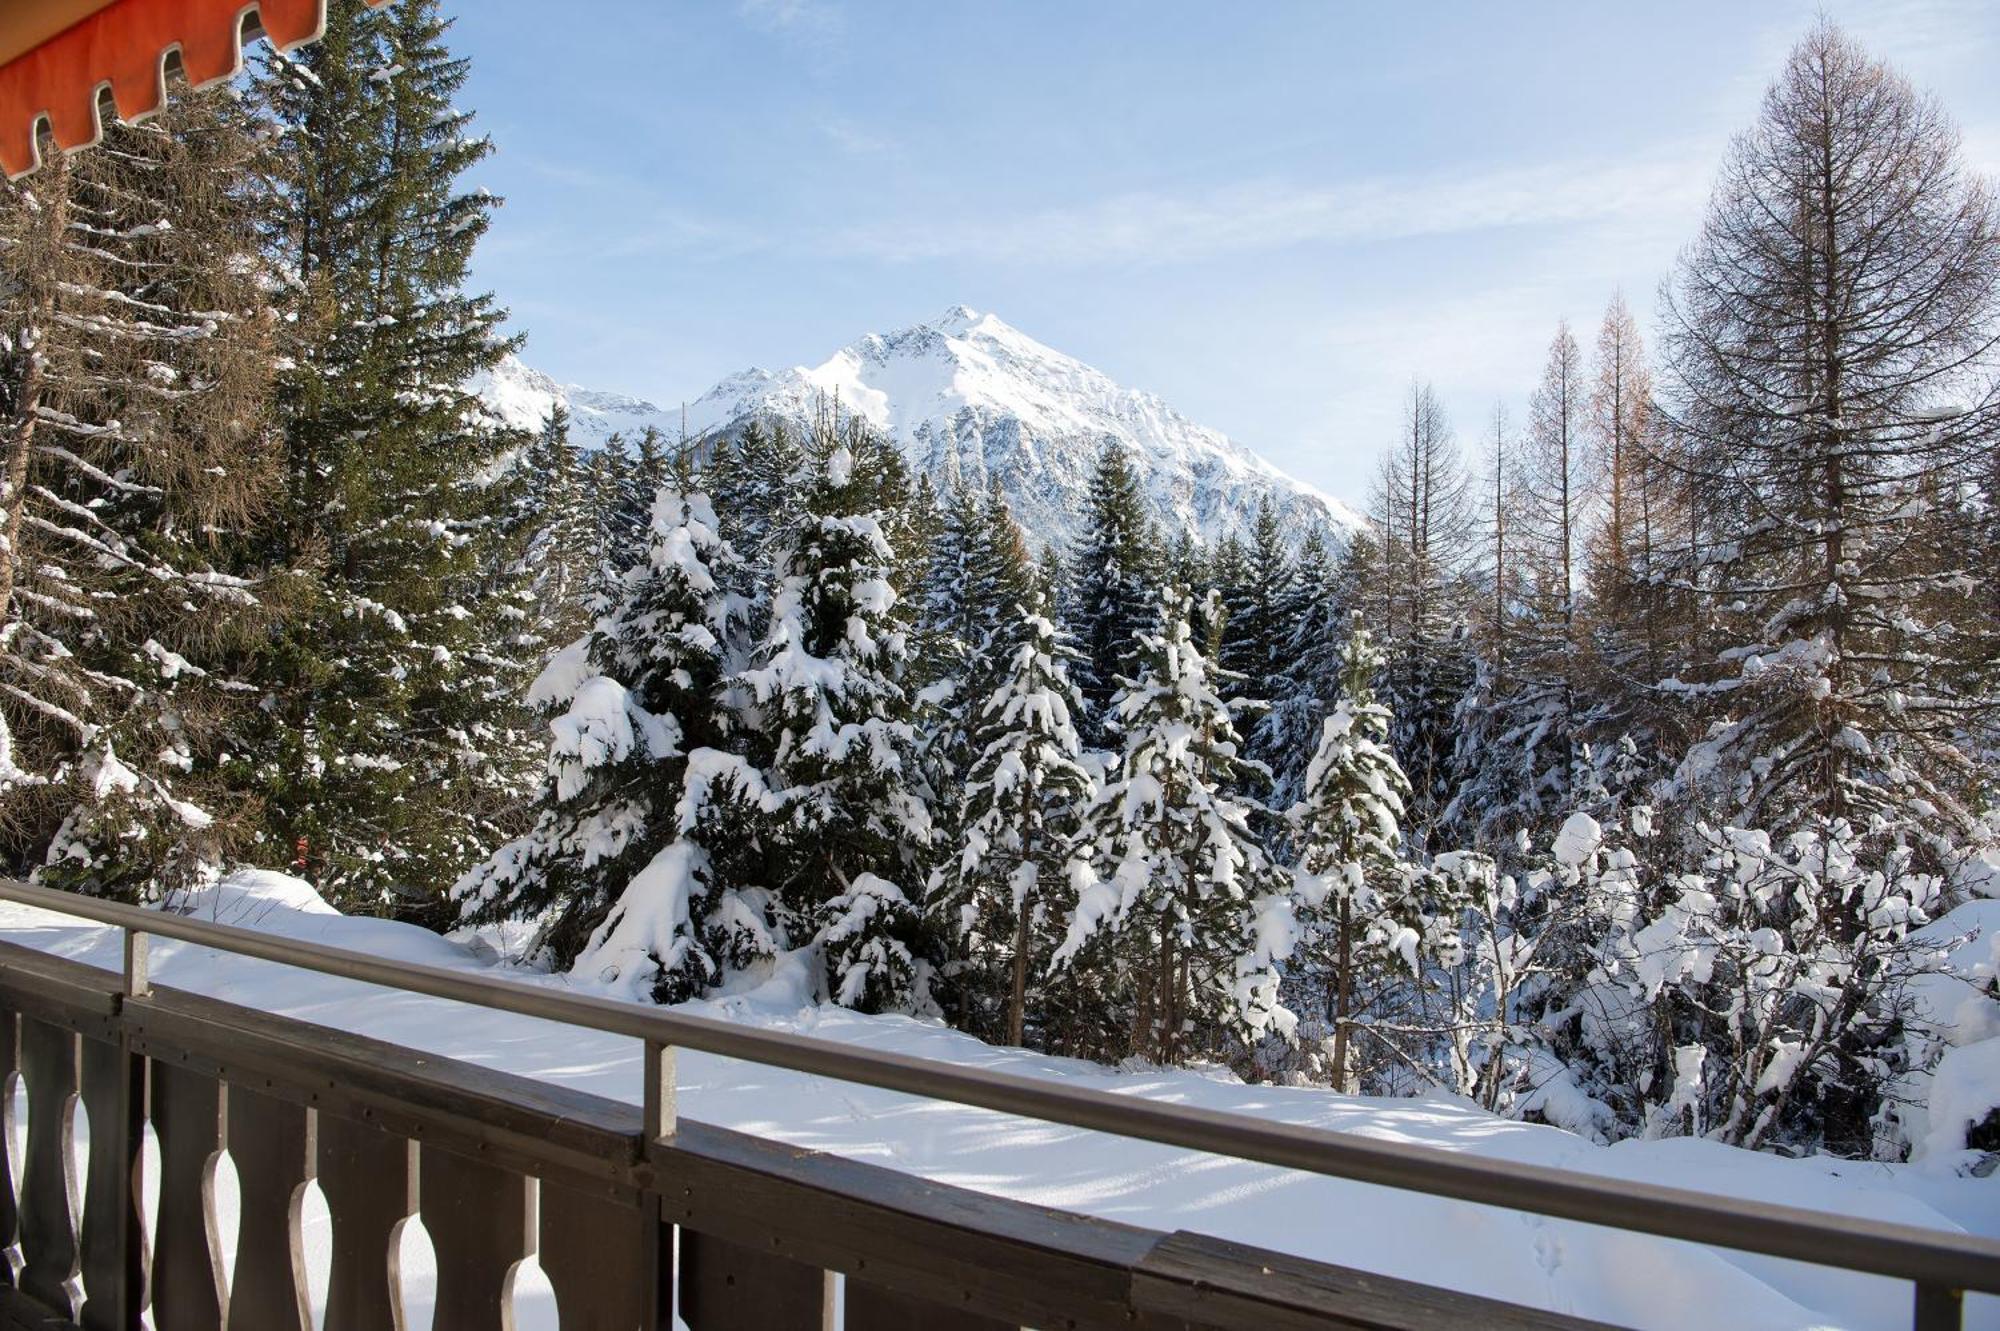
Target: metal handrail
point(1941, 1263)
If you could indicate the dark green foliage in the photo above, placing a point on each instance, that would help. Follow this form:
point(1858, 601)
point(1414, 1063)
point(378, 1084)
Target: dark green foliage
point(384, 734)
point(755, 480)
point(1114, 585)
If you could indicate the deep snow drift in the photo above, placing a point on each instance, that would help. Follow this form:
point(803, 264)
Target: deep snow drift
point(1574, 1268)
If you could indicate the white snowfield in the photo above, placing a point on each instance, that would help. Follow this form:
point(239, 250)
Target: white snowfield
point(1627, 1279)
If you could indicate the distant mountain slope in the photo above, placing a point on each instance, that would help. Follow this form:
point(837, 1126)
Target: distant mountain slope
point(969, 397)
point(521, 397)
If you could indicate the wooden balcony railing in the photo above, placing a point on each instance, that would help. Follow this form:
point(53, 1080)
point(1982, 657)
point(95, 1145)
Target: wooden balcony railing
point(633, 1213)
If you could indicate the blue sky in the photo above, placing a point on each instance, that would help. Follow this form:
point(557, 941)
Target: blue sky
point(1274, 215)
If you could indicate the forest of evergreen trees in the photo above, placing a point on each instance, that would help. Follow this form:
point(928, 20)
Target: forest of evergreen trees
point(1602, 777)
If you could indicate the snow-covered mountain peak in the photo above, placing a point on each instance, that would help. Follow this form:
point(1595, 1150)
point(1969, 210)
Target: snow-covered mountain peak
point(973, 399)
point(970, 396)
point(521, 397)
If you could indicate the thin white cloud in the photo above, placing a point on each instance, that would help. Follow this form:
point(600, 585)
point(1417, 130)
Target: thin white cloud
point(856, 141)
point(1981, 148)
point(1937, 35)
point(1250, 216)
point(797, 17)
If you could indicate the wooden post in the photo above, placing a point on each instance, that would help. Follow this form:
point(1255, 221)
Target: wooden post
point(482, 1225)
point(607, 1259)
point(138, 963)
point(272, 1143)
point(369, 1178)
point(726, 1285)
point(190, 1116)
point(48, 1173)
point(1938, 1308)
point(662, 1118)
point(113, 1240)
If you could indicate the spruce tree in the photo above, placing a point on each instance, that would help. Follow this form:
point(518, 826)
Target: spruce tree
point(1177, 895)
point(620, 512)
point(375, 757)
point(1306, 682)
point(1263, 620)
point(135, 363)
point(755, 479)
point(1114, 594)
point(828, 682)
point(1023, 798)
point(652, 467)
point(617, 871)
point(566, 540)
point(1221, 596)
point(977, 588)
point(1185, 565)
point(569, 544)
point(1368, 907)
point(955, 616)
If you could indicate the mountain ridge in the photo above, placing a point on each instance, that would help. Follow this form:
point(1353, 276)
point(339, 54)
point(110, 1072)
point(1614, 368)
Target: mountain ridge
point(971, 399)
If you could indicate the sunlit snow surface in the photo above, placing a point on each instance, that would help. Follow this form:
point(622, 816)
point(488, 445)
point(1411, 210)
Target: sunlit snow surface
point(1572, 1268)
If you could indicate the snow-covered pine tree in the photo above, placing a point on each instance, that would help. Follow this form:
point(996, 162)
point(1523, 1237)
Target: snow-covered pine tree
point(565, 539)
point(644, 816)
point(653, 465)
point(852, 824)
point(377, 756)
point(1265, 612)
point(135, 364)
point(1370, 909)
point(1220, 594)
point(977, 586)
point(1184, 565)
point(954, 619)
point(755, 479)
point(1176, 896)
point(1114, 584)
point(1262, 620)
point(1024, 796)
point(1307, 681)
point(620, 512)
point(1830, 362)
point(1761, 998)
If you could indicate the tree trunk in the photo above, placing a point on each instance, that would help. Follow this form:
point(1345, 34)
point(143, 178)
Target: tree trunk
point(1017, 1003)
point(1343, 997)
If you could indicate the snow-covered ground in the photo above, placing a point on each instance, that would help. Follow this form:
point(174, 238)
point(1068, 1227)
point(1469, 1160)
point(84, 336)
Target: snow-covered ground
point(1574, 1268)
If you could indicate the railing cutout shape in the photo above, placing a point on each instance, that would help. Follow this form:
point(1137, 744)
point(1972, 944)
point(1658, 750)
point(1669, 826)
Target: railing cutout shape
point(632, 1211)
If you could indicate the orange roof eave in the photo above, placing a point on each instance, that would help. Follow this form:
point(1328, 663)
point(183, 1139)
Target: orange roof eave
point(60, 59)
